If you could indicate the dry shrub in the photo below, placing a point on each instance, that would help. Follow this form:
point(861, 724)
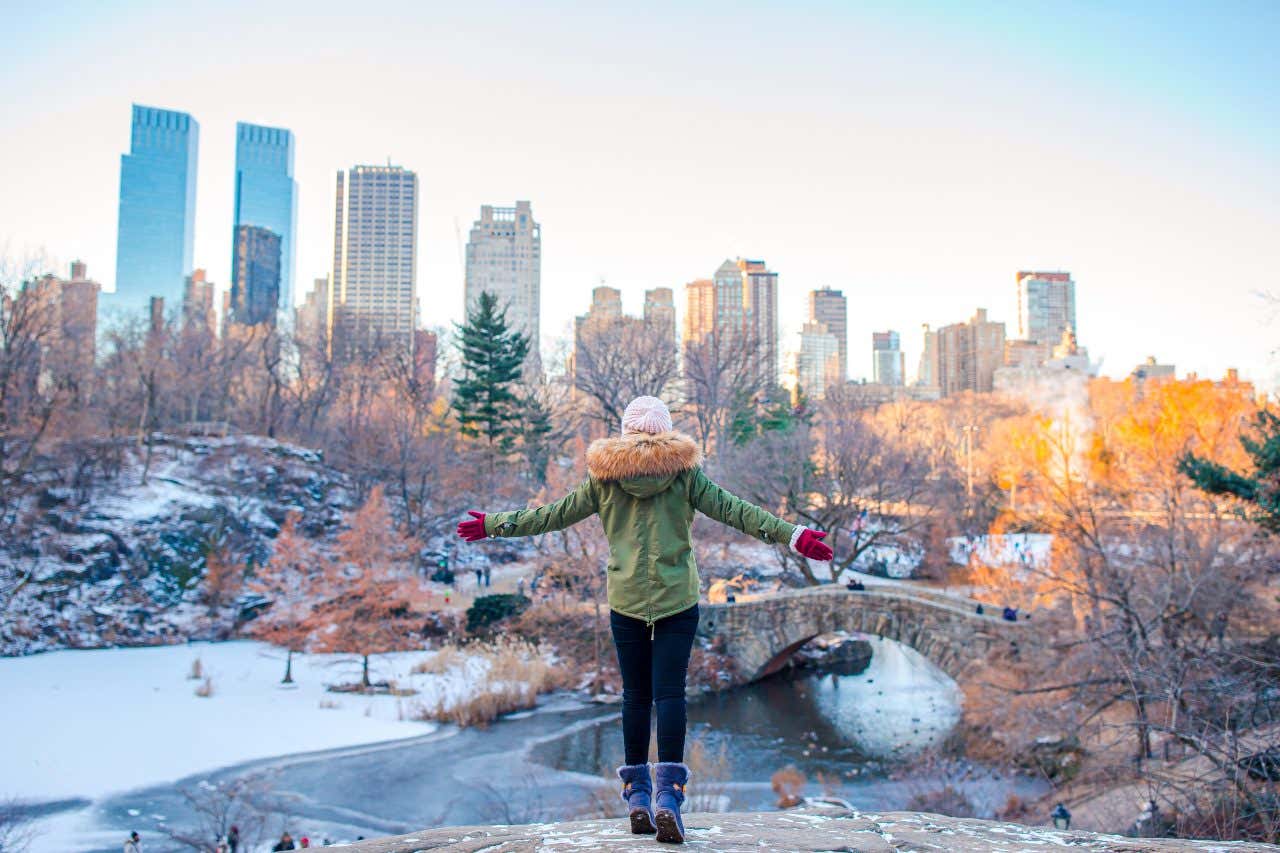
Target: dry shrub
point(329, 704)
point(205, 688)
point(947, 800)
point(197, 670)
point(580, 636)
point(709, 775)
point(516, 671)
point(788, 783)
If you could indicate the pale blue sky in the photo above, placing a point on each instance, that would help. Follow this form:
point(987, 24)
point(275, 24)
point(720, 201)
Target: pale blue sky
point(914, 155)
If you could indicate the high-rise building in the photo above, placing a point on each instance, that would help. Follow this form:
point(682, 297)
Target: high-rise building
point(968, 354)
point(199, 311)
point(815, 368)
point(700, 310)
point(71, 307)
point(372, 295)
point(660, 312)
point(255, 278)
point(888, 365)
point(157, 209)
point(830, 308)
point(739, 301)
point(1046, 306)
point(311, 318)
point(927, 372)
point(267, 196)
point(504, 258)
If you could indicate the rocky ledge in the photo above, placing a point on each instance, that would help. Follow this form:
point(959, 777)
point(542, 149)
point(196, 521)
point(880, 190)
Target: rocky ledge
point(808, 829)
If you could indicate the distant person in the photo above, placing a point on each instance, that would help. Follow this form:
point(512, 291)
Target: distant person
point(133, 844)
point(488, 577)
point(979, 608)
point(479, 578)
point(646, 486)
point(1010, 614)
point(855, 585)
point(305, 843)
point(222, 846)
point(285, 843)
point(233, 839)
point(520, 587)
point(1061, 817)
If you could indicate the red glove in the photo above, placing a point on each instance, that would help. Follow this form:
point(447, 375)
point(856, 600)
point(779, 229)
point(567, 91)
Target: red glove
point(810, 545)
point(473, 531)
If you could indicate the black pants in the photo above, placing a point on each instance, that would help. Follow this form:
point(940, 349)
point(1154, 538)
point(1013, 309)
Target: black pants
point(654, 661)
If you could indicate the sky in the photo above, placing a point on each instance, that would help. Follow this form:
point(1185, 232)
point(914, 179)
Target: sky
point(915, 155)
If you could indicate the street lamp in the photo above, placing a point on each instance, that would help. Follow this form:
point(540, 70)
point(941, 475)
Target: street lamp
point(1061, 817)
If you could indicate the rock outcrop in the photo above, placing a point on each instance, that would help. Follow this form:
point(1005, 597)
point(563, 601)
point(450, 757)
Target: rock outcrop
point(827, 829)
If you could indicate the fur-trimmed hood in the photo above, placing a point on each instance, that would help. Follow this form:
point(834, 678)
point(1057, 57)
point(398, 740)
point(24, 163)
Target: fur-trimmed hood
point(640, 455)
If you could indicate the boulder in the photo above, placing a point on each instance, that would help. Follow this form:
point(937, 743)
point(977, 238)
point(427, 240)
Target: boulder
point(808, 829)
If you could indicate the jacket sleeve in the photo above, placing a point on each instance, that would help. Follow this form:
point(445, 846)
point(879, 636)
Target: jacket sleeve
point(566, 512)
point(726, 508)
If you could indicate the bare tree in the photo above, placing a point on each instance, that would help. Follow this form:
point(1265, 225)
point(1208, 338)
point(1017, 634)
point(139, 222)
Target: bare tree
point(16, 830)
point(246, 803)
point(618, 360)
point(721, 378)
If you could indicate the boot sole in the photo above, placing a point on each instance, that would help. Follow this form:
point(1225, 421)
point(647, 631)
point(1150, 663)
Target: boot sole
point(642, 823)
point(668, 829)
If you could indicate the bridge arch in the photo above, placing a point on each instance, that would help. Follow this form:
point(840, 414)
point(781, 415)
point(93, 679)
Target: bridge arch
point(760, 634)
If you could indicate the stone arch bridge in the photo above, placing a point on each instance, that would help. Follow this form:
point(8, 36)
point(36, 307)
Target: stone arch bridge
point(760, 634)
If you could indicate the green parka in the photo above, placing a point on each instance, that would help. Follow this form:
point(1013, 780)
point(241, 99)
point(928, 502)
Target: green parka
point(645, 489)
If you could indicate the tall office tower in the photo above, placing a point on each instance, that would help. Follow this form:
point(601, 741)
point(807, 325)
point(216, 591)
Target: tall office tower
point(198, 303)
point(255, 278)
point(927, 372)
point(157, 209)
point(504, 258)
point(375, 259)
point(267, 195)
point(700, 310)
point(888, 365)
point(311, 318)
point(815, 369)
point(660, 312)
point(830, 308)
point(1046, 306)
point(606, 305)
point(968, 354)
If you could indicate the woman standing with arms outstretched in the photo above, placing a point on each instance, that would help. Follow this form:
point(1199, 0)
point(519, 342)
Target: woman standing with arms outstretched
point(645, 485)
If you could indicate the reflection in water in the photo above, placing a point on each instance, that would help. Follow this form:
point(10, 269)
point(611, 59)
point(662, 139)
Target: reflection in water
point(822, 722)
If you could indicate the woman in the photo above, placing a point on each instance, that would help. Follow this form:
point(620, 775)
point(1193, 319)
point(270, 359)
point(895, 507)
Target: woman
point(645, 485)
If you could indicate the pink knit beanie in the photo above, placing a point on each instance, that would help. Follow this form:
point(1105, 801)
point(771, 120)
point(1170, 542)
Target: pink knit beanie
point(646, 414)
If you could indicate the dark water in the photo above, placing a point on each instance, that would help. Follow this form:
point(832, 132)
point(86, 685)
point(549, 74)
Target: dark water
point(846, 732)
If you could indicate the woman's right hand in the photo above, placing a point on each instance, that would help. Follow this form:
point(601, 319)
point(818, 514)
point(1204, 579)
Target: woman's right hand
point(473, 530)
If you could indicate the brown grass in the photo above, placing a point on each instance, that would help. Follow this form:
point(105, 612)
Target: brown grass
point(197, 670)
point(517, 672)
point(329, 704)
point(205, 689)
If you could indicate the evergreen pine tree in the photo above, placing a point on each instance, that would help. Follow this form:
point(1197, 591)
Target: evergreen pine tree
point(493, 357)
point(1259, 488)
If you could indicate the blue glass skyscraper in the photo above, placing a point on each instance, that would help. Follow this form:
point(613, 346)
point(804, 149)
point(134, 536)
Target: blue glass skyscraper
point(267, 196)
point(157, 210)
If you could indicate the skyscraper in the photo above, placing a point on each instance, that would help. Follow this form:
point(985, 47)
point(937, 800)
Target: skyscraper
point(815, 369)
point(830, 308)
point(967, 354)
point(1046, 306)
point(660, 312)
point(157, 209)
point(888, 367)
point(311, 318)
point(198, 311)
point(267, 195)
point(255, 276)
point(739, 301)
point(504, 258)
point(375, 259)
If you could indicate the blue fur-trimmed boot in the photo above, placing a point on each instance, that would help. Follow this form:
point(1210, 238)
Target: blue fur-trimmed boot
point(637, 791)
point(671, 779)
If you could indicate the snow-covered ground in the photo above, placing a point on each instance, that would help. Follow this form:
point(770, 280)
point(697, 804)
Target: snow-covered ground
point(1029, 550)
point(88, 723)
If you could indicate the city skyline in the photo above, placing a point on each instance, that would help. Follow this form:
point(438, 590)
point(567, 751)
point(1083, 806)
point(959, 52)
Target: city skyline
point(1158, 193)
